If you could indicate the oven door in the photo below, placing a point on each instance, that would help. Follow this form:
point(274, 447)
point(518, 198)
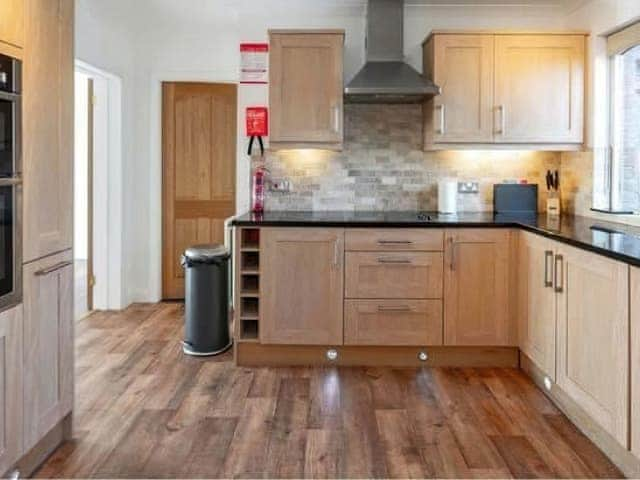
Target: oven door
point(10, 241)
point(9, 134)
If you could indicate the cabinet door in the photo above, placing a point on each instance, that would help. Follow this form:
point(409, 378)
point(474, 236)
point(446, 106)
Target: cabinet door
point(12, 22)
point(48, 346)
point(477, 308)
point(10, 387)
point(537, 302)
point(593, 337)
point(539, 88)
point(306, 88)
point(463, 68)
point(48, 128)
point(635, 361)
point(301, 286)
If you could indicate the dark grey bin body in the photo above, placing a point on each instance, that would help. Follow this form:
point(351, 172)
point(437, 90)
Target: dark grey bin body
point(206, 320)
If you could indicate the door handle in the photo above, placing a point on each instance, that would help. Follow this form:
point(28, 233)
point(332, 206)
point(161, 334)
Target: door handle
point(452, 258)
point(440, 130)
point(53, 268)
point(336, 254)
point(559, 261)
point(336, 118)
point(548, 279)
point(394, 260)
point(501, 128)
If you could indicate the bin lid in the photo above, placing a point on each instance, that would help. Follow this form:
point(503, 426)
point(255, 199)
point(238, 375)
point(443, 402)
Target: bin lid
point(212, 253)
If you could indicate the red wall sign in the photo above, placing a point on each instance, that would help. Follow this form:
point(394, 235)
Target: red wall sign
point(257, 122)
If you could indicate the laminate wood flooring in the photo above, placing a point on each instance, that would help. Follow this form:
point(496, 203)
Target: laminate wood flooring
point(145, 410)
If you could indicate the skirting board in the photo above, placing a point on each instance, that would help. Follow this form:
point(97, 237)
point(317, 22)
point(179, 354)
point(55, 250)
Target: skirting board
point(257, 355)
point(620, 456)
point(32, 460)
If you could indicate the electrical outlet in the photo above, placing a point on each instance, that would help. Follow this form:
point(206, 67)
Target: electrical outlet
point(468, 187)
point(280, 185)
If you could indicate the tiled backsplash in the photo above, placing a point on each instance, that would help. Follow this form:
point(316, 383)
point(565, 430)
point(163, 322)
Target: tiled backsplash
point(383, 167)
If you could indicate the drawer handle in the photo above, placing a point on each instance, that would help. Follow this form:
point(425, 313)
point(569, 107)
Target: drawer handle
point(548, 255)
point(395, 242)
point(398, 308)
point(559, 279)
point(54, 268)
point(394, 260)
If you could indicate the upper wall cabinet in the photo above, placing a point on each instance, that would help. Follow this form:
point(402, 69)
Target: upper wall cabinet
point(11, 26)
point(521, 90)
point(306, 88)
point(48, 128)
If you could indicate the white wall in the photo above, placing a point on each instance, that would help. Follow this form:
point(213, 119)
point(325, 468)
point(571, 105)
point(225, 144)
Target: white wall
point(147, 41)
point(80, 170)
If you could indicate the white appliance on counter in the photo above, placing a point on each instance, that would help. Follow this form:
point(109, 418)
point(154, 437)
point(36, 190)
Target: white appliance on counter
point(448, 196)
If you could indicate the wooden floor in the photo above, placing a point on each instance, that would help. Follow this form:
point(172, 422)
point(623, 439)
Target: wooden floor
point(145, 410)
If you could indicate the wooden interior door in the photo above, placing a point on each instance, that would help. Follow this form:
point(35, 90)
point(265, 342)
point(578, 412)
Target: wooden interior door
point(476, 288)
point(463, 68)
point(537, 302)
point(539, 88)
point(593, 337)
point(199, 124)
point(301, 286)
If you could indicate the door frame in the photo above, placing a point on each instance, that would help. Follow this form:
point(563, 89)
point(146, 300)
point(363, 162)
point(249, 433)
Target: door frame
point(107, 189)
point(154, 293)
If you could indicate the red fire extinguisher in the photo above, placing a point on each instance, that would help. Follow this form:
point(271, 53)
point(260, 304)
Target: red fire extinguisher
point(259, 179)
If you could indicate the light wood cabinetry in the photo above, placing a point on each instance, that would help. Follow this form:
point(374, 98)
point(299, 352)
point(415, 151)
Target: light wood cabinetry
point(393, 322)
point(306, 88)
point(48, 344)
point(537, 301)
point(48, 128)
point(11, 398)
point(394, 239)
point(635, 360)
point(593, 337)
point(301, 286)
point(11, 24)
point(477, 290)
point(501, 89)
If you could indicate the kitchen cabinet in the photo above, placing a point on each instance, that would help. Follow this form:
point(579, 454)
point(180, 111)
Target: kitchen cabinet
point(635, 360)
point(537, 301)
point(539, 90)
point(10, 387)
point(462, 65)
point(477, 290)
point(48, 128)
point(593, 336)
point(306, 88)
point(394, 239)
point(301, 286)
point(48, 346)
point(500, 89)
point(12, 23)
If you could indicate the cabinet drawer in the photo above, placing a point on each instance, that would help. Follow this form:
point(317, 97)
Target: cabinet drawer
point(374, 240)
point(394, 275)
point(393, 322)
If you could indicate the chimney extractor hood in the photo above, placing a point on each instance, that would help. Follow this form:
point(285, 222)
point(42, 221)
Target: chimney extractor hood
point(385, 77)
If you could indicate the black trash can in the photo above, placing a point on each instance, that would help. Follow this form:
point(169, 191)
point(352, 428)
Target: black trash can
point(206, 320)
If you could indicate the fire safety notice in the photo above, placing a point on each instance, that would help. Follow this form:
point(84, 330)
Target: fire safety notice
point(254, 62)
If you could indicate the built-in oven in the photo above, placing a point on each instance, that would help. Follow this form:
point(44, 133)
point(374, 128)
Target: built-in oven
point(10, 182)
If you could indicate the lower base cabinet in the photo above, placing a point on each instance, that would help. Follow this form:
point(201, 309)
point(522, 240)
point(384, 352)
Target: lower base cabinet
point(635, 360)
point(10, 387)
point(48, 346)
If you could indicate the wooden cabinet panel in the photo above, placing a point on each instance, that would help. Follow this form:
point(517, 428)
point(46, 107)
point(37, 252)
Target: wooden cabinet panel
point(48, 128)
point(301, 286)
point(393, 322)
point(537, 301)
point(477, 294)
point(463, 68)
point(375, 240)
point(635, 361)
point(48, 347)
point(393, 275)
point(12, 22)
point(539, 89)
point(11, 398)
point(593, 337)
point(306, 88)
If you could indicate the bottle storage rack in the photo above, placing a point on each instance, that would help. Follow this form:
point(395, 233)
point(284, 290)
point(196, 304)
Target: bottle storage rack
point(248, 284)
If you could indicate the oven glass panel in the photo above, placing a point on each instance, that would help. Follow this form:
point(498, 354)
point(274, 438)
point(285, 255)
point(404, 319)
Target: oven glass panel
point(6, 240)
point(6, 138)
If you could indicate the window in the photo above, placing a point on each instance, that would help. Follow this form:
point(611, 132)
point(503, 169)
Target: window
point(619, 169)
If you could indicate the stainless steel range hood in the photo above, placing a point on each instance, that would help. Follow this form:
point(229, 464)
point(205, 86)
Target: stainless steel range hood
point(386, 78)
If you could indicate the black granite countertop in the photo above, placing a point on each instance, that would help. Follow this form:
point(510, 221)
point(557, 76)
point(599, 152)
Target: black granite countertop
point(614, 240)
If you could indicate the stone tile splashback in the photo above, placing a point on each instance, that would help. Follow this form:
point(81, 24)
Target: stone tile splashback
point(383, 167)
